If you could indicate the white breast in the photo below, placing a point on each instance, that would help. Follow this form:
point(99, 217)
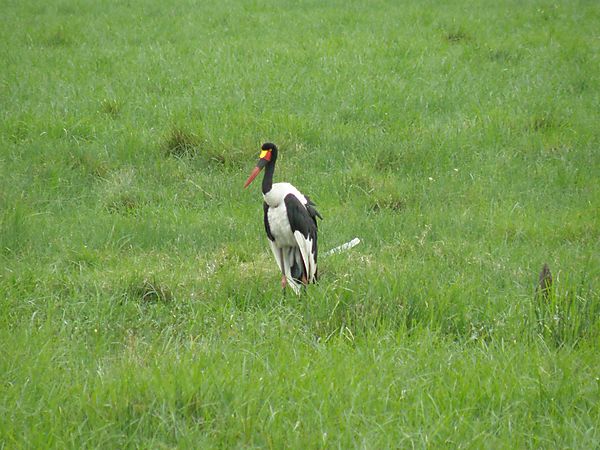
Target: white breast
point(280, 226)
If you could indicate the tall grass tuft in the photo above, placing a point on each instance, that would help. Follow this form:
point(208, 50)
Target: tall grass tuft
point(110, 107)
point(565, 314)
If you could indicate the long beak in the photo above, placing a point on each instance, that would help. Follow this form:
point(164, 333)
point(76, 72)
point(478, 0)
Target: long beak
point(252, 176)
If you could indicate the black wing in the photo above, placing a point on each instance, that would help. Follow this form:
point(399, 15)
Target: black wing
point(302, 219)
point(267, 227)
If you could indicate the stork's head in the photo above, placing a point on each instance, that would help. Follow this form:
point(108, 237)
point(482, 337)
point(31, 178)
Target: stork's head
point(268, 155)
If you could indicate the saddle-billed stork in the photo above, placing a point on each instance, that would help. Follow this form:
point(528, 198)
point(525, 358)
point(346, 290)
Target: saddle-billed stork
point(290, 223)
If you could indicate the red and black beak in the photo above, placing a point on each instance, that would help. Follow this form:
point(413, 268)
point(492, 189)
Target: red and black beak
point(264, 158)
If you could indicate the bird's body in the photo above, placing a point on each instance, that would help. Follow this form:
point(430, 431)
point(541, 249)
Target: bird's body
point(290, 223)
point(277, 215)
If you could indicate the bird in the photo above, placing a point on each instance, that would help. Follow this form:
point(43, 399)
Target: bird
point(290, 220)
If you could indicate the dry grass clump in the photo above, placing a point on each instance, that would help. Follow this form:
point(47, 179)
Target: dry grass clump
point(181, 143)
point(150, 290)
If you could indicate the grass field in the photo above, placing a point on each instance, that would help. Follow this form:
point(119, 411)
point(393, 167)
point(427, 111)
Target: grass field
point(140, 305)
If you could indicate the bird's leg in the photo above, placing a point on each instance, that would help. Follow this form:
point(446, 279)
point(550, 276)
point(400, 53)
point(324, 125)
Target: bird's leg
point(304, 277)
point(283, 277)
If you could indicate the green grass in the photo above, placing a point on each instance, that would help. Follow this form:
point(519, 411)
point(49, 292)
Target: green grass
point(139, 302)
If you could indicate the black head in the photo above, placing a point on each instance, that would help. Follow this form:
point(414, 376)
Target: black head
point(268, 153)
point(267, 157)
point(269, 146)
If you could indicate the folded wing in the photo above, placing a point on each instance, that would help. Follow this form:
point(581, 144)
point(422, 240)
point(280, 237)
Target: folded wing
point(303, 222)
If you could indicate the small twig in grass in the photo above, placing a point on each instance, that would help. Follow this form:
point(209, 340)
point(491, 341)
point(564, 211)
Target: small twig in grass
point(208, 194)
